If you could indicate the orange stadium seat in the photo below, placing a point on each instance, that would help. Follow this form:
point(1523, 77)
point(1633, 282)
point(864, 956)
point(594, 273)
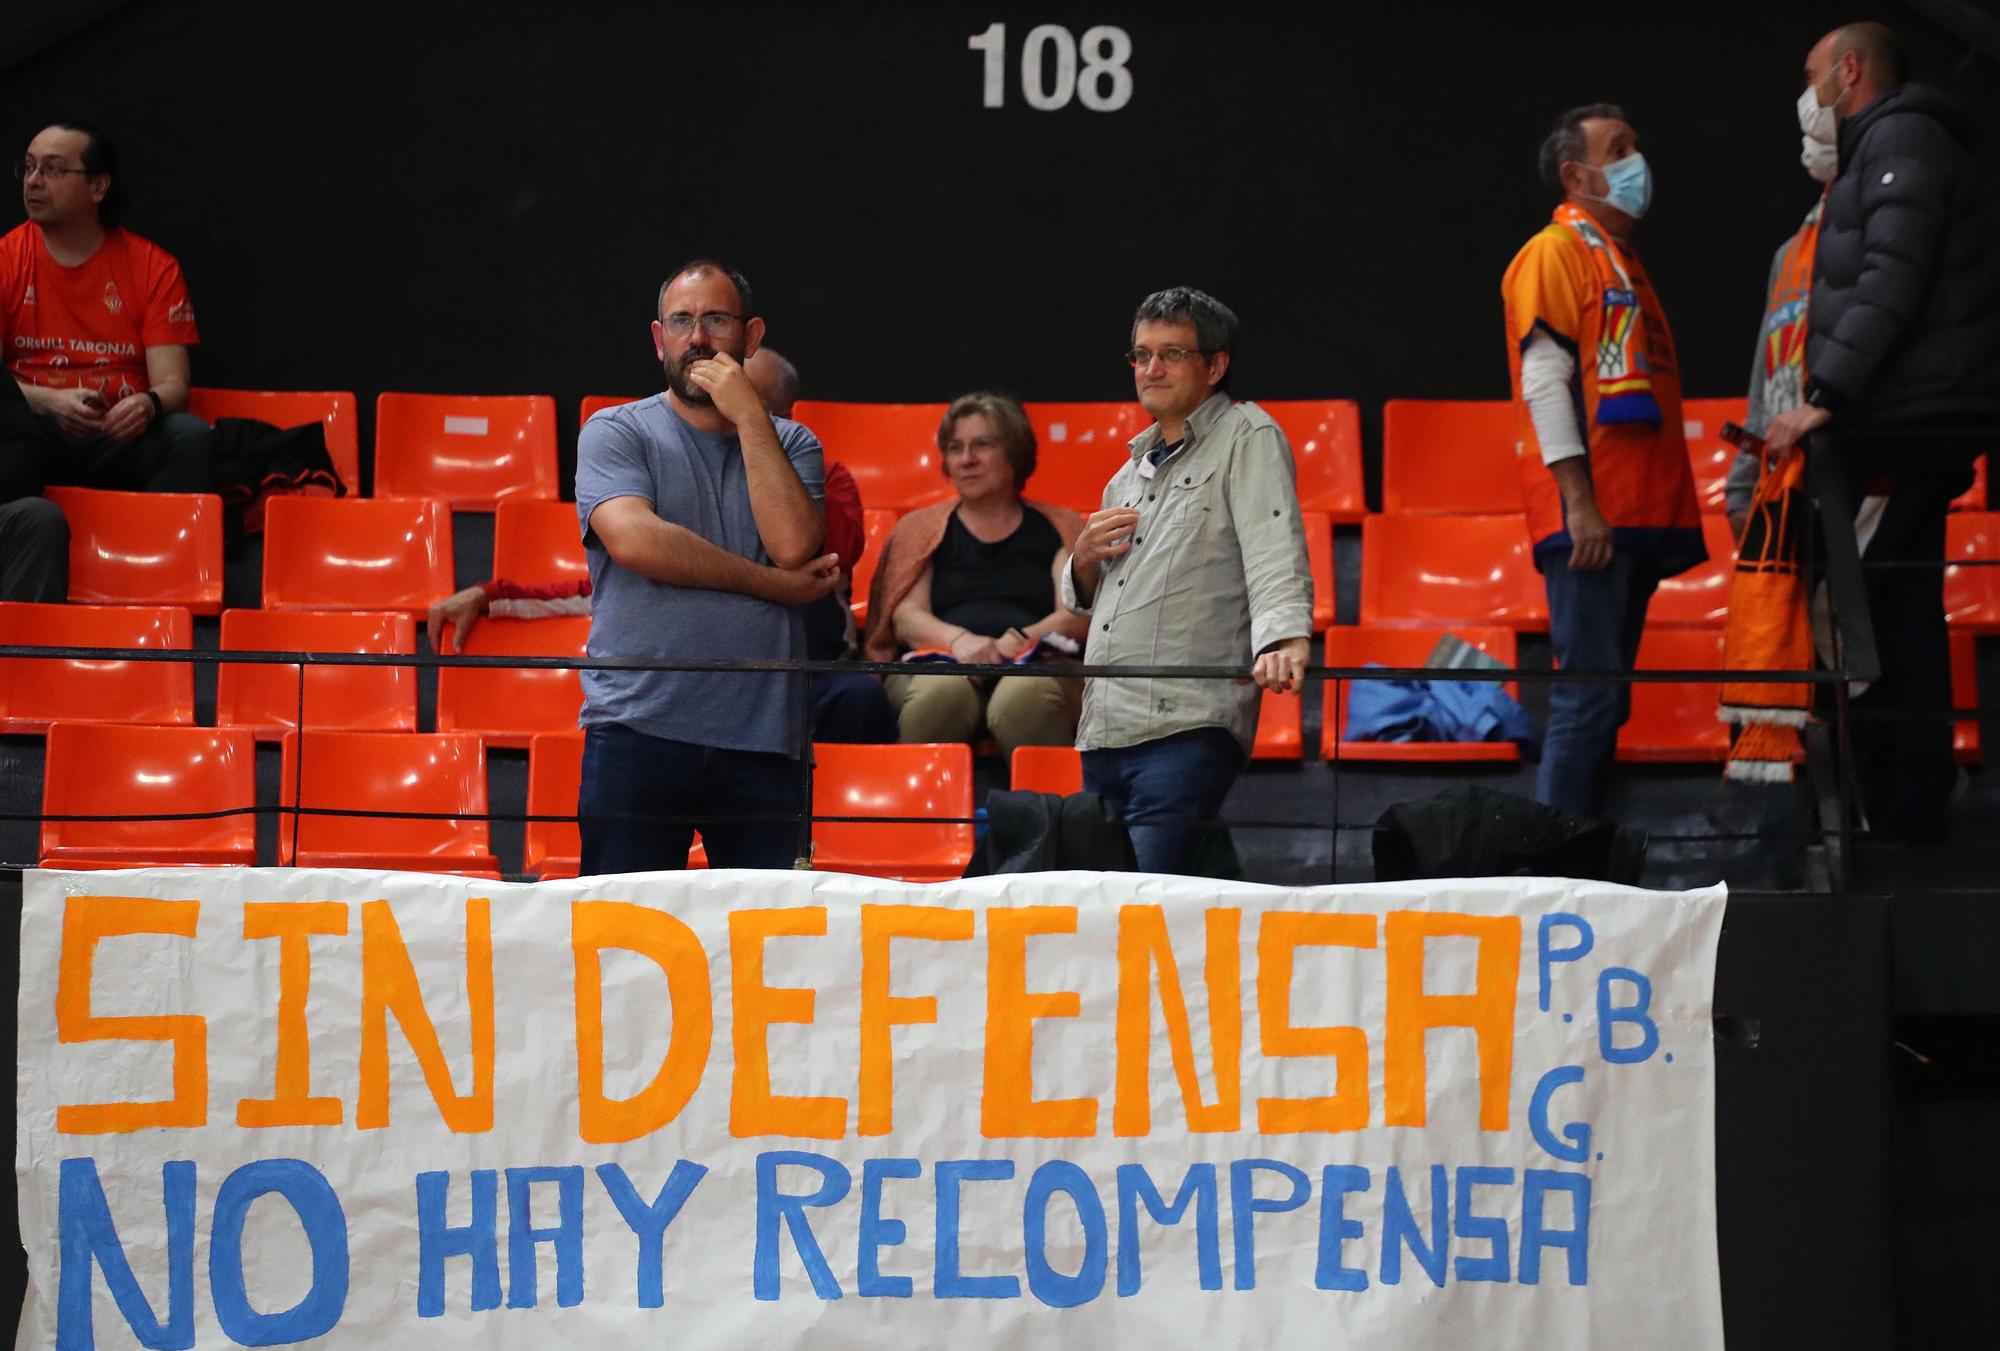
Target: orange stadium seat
point(555, 772)
point(1325, 435)
point(1319, 566)
point(37, 691)
point(536, 543)
point(1965, 696)
point(919, 780)
point(1701, 594)
point(293, 408)
point(1974, 498)
point(1450, 569)
point(890, 448)
point(1711, 456)
point(1280, 728)
point(1449, 456)
point(1408, 648)
point(505, 706)
point(593, 404)
point(379, 554)
point(876, 525)
point(266, 699)
point(1079, 447)
point(112, 770)
point(1676, 720)
point(441, 772)
point(1972, 594)
point(144, 548)
point(470, 449)
point(1046, 769)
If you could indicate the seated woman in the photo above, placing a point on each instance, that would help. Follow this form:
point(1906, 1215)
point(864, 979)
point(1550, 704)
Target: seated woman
point(975, 577)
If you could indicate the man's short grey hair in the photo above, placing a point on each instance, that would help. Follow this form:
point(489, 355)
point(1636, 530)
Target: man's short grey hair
point(785, 387)
point(1216, 328)
point(1566, 143)
point(736, 279)
point(1879, 49)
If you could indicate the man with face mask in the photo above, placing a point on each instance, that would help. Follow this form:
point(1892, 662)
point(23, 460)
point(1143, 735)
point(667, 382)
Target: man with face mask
point(702, 525)
point(1604, 463)
point(1902, 375)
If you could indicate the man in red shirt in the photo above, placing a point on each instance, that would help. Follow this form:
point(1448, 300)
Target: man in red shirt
point(96, 326)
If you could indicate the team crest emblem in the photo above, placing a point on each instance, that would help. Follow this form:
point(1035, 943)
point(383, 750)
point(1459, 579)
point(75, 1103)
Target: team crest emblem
point(181, 313)
point(112, 301)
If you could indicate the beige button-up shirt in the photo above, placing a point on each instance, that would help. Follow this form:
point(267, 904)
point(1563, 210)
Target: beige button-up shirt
point(1216, 574)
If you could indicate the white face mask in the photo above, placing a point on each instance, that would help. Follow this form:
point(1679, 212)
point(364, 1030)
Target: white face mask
point(1817, 120)
point(1822, 161)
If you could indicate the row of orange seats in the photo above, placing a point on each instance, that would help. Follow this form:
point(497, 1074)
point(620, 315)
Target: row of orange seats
point(1438, 456)
point(396, 554)
point(509, 707)
point(181, 773)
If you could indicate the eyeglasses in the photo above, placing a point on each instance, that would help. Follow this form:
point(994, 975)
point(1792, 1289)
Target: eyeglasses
point(715, 323)
point(1141, 357)
point(48, 169)
point(978, 445)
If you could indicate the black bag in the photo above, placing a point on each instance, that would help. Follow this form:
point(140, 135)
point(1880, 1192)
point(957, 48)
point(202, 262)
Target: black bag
point(1470, 831)
point(1041, 832)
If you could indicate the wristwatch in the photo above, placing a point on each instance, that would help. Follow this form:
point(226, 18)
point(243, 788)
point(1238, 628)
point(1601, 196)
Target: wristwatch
point(158, 410)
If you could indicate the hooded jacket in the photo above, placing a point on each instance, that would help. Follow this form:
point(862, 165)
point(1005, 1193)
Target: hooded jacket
point(1904, 323)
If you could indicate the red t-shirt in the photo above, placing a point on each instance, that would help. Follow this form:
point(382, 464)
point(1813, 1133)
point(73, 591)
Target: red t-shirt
point(90, 325)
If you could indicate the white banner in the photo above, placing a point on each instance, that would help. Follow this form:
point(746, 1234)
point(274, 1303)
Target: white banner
point(263, 1107)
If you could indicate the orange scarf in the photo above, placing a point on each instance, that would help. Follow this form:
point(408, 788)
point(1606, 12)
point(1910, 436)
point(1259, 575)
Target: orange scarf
point(1769, 626)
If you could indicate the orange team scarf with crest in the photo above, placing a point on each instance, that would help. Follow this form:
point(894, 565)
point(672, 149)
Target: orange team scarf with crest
point(1769, 626)
point(1624, 382)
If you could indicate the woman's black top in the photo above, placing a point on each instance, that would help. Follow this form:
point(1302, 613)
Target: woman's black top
point(990, 588)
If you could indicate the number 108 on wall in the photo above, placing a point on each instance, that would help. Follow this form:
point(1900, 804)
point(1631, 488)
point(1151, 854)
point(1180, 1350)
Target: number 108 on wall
point(1049, 65)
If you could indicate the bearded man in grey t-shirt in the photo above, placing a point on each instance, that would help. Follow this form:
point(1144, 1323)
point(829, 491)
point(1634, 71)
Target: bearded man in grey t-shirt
point(701, 523)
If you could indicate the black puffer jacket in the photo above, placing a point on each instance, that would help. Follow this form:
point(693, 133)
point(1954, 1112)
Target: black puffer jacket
point(1904, 324)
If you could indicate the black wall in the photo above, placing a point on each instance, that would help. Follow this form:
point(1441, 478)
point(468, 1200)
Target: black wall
point(372, 196)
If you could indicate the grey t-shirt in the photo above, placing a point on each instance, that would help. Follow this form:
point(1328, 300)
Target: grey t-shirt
point(693, 479)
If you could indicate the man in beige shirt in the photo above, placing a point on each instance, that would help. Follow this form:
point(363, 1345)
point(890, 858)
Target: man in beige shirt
point(1198, 558)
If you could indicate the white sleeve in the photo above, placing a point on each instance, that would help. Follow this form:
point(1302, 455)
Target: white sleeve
point(1546, 370)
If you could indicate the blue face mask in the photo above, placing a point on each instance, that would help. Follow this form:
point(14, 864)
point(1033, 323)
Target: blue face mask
point(1628, 185)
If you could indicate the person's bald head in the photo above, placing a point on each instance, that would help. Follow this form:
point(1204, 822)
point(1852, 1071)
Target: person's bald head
point(776, 379)
point(1854, 65)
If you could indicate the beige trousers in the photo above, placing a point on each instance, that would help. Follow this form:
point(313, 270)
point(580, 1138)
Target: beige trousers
point(1017, 710)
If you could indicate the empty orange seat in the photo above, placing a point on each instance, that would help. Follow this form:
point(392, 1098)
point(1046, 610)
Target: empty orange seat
point(1046, 769)
point(1710, 455)
point(441, 772)
point(293, 408)
point(348, 554)
point(1450, 569)
point(508, 706)
point(1079, 446)
point(1965, 696)
point(593, 404)
point(1972, 594)
point(890, 448)
point(917, 780)
point(1449, 456)
point(1280, 728)
point(555, 773)
point(1701, 594)
point(470, 449)
point(101, 769)
point(144, 548)
point(536, 543)
point(1676, 720)
point(266, 698)
point(1408, 648)
point(1325, 436)
point(1974, 498)
point(876, 525)
point(36, 691)
point(1319, 566)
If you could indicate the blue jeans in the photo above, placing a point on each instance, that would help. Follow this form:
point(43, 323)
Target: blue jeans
point(1595, 619)
point(630, 780)
point(1177, 780)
